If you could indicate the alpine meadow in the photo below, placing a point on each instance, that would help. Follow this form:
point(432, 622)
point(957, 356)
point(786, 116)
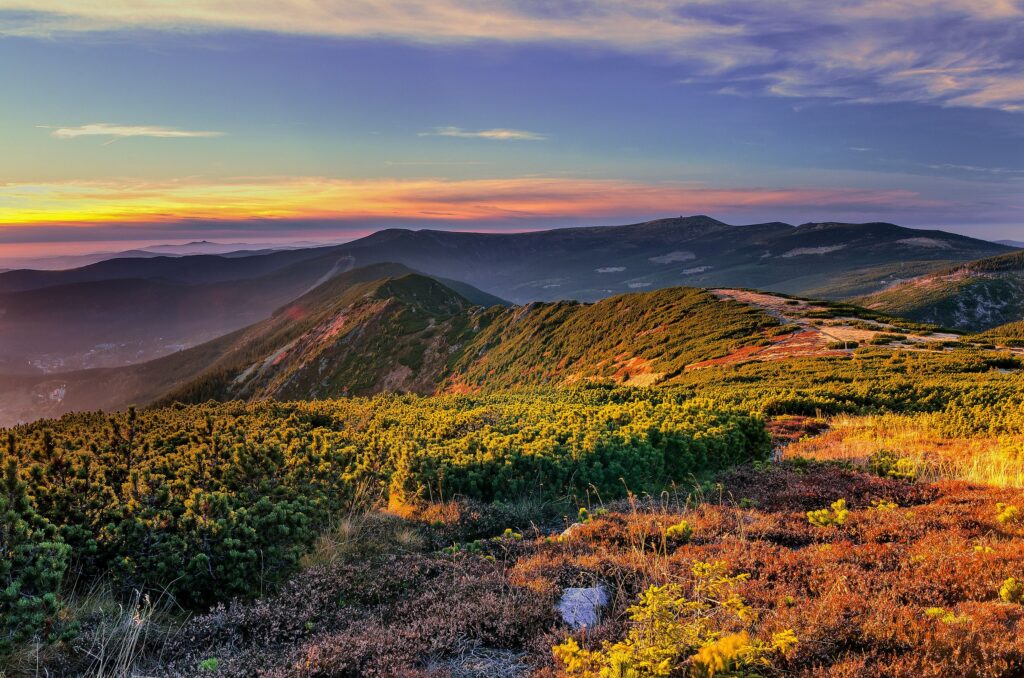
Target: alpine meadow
point(394, 339)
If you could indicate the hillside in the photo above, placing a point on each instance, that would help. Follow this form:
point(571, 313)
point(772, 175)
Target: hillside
point(976, 296)
point(1011, 334)
point(386, 328)
point(119, 321)
point(304, 537)
point(359, 295)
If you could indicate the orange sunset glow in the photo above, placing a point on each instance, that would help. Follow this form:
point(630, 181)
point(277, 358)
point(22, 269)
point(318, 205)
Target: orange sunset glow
point(86, 203)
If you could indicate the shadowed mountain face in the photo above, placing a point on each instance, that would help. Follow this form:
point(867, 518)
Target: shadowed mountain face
point(115, 321)
point(976, 296)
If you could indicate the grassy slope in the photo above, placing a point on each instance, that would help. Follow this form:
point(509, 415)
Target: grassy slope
point(975, 296)
point(638, 338)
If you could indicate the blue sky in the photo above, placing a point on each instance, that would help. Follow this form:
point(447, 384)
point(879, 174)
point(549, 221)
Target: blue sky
point(142, 121)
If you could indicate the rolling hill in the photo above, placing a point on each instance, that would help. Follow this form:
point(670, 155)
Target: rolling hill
point(1010, 334)
point(385, 327)
point(976, 296)
point(591, 263)
point(193, 269)
point(117, 321)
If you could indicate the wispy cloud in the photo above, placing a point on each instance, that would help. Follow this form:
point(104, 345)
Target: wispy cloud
point(947, 52)
point(496, 134)
point(102, 129)
point(998, 171)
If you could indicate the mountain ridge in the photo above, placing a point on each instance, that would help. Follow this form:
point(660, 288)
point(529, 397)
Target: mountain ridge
point(385, 327)
point(205, 296)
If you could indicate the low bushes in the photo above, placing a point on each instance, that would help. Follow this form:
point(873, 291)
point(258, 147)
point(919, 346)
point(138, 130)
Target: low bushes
point(208, 502)
point(32, 563)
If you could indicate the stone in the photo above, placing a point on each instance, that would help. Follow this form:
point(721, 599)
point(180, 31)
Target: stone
point(581, 607)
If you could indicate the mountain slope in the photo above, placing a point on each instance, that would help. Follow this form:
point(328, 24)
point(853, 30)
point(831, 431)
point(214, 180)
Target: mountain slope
point(194, 269)
point(377, 328)
point(119, 321)
point(124, 311)
point(385, 328)
point(639, 339)
point(1010, 334)
point(363, 333)
point(179, 301)
point(355, 330)
point(592, 263)
point(974, 296)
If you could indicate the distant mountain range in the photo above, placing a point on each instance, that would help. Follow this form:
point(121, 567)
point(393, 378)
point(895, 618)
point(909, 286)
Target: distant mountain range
point(198, 247)
point(131, 309)
point(1012, 243)
point(975, 296)
point(829, 260)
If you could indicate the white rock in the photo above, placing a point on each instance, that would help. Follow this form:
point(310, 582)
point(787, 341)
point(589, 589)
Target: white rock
point(581, 607)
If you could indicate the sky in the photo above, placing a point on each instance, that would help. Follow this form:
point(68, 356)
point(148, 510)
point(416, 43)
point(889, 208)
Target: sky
point(140, 121)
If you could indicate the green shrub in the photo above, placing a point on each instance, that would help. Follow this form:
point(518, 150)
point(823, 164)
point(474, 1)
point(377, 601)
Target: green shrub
point(835, 515)
point(209, 502)
point(670, 627)
point(889, 464)
point(680, 532)
point(1012, 591)
point(32, 562)
point(1008, 514)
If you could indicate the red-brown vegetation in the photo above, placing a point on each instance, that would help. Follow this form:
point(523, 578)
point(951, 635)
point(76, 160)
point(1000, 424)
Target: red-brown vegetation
point(908, 585)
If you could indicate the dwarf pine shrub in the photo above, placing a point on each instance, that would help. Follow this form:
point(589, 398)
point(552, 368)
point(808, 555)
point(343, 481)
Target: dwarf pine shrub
point(1007, 514)
point(680, 532)
point(32, 562)
point(882, 505)
point(835, 515)
point(1012, 591)
point(889, 464)
point(945, 616)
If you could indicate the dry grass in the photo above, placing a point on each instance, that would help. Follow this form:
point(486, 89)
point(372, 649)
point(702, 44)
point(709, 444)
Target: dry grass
point(361, 535)
point(989, 460)
point(115, 639)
